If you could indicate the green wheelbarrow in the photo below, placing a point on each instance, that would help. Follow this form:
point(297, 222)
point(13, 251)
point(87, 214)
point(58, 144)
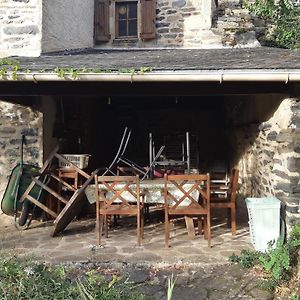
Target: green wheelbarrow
point(19, 180)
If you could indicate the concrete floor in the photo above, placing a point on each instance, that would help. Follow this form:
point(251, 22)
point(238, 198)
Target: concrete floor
point(78, 243)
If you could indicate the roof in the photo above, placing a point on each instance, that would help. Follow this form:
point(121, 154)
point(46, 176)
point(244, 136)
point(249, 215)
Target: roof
point(158, 65)
point(168, 59)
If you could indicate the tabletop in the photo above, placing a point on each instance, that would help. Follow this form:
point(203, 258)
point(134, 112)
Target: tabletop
point(153, 191)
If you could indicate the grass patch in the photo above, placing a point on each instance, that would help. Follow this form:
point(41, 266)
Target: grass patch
point(23, 278)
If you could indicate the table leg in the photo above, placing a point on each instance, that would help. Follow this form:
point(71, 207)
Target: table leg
point(190, 227)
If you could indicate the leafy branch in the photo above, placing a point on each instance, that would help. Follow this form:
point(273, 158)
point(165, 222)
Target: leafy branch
point(281, 19)
point(9, 67)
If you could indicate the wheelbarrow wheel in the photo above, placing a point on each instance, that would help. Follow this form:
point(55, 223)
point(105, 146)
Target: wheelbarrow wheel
point(23, 222)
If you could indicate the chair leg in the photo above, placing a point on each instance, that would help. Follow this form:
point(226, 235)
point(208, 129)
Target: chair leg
point(116, 217)
point(142, 225)
point(205, 227)
point(138, 219)
point(208, 230)
point(97, 227)
point(229, 217)
point(167, 230)
point(233, 220)
point(147, 211)
point(106, 226)
point(200, 225)
point(100, 228)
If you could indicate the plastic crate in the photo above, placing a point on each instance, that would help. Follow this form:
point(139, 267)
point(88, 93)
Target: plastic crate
point(296, 2)
point(264, 221)
point(79, 160)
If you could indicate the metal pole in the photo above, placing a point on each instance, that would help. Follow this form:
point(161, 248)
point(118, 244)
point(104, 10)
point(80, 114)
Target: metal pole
point(188, 152)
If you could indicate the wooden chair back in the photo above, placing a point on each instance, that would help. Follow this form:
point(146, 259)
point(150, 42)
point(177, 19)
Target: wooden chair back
point(233, 185)
point(228, 200)
point(189, 196)
point(118, 195)
point(193, 187)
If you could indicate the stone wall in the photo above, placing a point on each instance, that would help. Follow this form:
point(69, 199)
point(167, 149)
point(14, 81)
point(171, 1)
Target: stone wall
point(20, 27)
point(16, 120)
point(179, 22)
point(265, 141)
point(67, 24)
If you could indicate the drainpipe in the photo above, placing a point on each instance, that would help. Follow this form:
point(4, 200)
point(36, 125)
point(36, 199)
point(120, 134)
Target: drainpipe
point(168, 77)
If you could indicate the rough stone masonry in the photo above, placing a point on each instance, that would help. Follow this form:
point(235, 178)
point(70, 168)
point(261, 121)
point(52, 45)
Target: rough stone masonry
point(268, 156)
point(20, 27)
point(17, 120)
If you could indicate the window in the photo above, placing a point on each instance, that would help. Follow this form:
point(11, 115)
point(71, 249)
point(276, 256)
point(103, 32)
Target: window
point(131, 19)
point(126, 19)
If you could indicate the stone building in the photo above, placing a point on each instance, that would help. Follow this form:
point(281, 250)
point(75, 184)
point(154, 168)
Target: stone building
point(32, 27)
point(126, 63)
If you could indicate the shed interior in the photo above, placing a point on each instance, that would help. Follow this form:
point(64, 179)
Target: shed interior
point(95, 125)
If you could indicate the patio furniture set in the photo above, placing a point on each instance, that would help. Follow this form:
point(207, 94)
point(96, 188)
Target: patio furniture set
point(186, 194)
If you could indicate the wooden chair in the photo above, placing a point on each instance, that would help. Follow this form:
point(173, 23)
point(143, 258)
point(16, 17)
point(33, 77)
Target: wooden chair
point(38, 180)
point(224, 196)
point(192, 188)
point(118, 195)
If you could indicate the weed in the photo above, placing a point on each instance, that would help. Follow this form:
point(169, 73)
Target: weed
point(171, 285)
point(22, 278)
point(247, 259)
point(277, 262)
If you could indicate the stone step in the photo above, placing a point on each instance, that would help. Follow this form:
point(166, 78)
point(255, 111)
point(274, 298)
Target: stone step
point(232, 12)
point(238, 12)
point(234, 19)
point(234, 25)
point(211, 40)
point(217, 31)
point(229, 4)
point(245, 39)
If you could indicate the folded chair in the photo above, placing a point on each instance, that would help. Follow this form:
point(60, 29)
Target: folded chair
point(189, 196)
point(120, 158)
point(47, 170)
point(224, 196)
point(118, 195)
point(176, 150)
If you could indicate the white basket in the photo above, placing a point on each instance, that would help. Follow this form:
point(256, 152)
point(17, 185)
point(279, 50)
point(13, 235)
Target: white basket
point(296, 2)
point(264, 221)
point(79, 160)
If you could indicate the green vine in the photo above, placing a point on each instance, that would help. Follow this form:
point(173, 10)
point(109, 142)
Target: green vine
point(9, 67)
point(282, 22)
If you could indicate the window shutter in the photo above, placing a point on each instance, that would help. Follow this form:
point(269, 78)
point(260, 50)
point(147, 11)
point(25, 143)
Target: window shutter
point(101, 21)
point(148, 16)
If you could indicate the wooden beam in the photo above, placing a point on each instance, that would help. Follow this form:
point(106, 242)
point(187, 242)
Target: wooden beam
point(63, 182)
point(42, 206)
point(42, 170)
point(49, 190)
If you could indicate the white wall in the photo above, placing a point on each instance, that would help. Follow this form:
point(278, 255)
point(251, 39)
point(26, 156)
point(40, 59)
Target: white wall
point(20, 27)
point(67, 24)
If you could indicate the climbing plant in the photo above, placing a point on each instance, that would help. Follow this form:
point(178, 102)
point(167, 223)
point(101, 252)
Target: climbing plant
point(11, 68)
point(282, 19)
